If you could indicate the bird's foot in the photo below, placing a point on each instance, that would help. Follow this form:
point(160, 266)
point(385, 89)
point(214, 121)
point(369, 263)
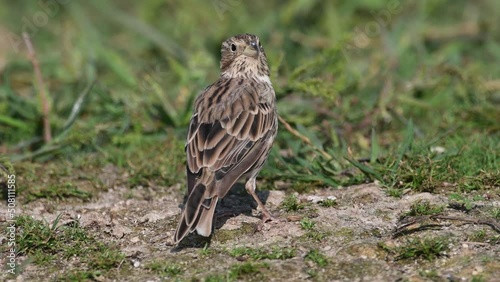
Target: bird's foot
point(268, 217)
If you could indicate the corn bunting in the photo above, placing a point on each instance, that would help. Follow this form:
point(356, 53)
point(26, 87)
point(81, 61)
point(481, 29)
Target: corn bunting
point(231, 133)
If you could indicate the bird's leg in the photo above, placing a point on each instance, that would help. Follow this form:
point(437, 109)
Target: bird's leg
point(250, 186)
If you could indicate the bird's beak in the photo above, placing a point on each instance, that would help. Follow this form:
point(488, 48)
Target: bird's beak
point(252, 50)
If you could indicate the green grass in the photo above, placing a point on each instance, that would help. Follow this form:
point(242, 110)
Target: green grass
point(495, 213)
point(241, 271)
point(328, 203)
point(318, 258)
point(307, 224)
point(291, 203)
point(44, 243)
point(478, 278)
point(312, 234)
point(429, 274)
point(275, 253)
point(316, 236)
point(420, 168)
point(484, 236)
point(58, 191)
point(479, 236)
point(164, 268)
point(426, 248)
point(423, 207)
point(206, 251)
point(462, 202)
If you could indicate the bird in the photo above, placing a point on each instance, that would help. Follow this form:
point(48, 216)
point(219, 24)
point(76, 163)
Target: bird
point(230, 135)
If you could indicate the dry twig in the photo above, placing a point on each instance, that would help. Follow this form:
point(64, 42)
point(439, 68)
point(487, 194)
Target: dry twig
point(415, 224)
point(47, 135)
point(304, 139)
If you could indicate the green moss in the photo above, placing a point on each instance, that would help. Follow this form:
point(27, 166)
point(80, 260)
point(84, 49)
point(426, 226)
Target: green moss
point(223, 236)
point(344, 232)
point(58, 191)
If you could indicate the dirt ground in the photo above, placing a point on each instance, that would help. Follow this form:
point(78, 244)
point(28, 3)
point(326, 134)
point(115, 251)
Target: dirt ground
point(359, 236)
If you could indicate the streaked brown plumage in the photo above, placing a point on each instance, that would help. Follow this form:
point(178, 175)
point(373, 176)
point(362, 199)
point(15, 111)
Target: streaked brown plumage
point(231, 133)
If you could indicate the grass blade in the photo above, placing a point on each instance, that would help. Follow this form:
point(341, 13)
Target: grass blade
point(366, 170)
point(375, 147)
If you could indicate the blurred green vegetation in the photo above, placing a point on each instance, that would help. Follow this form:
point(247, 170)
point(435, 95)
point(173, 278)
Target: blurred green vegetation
point(403, 92)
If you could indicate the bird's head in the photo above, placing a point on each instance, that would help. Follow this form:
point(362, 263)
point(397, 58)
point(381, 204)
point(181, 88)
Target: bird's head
point(243, 56)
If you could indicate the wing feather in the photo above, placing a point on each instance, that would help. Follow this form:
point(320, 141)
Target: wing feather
point(219, 139)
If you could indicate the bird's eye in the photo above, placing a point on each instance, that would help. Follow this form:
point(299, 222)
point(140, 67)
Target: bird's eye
point(233, 47)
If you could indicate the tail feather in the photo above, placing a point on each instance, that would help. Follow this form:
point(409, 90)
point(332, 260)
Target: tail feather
point(204, 224)
point(198, 213)
point(193, 204)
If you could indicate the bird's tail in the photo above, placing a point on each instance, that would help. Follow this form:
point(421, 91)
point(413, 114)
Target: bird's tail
point(198, 212)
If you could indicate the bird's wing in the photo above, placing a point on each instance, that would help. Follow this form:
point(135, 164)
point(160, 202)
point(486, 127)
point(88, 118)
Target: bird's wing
point(221, 139)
